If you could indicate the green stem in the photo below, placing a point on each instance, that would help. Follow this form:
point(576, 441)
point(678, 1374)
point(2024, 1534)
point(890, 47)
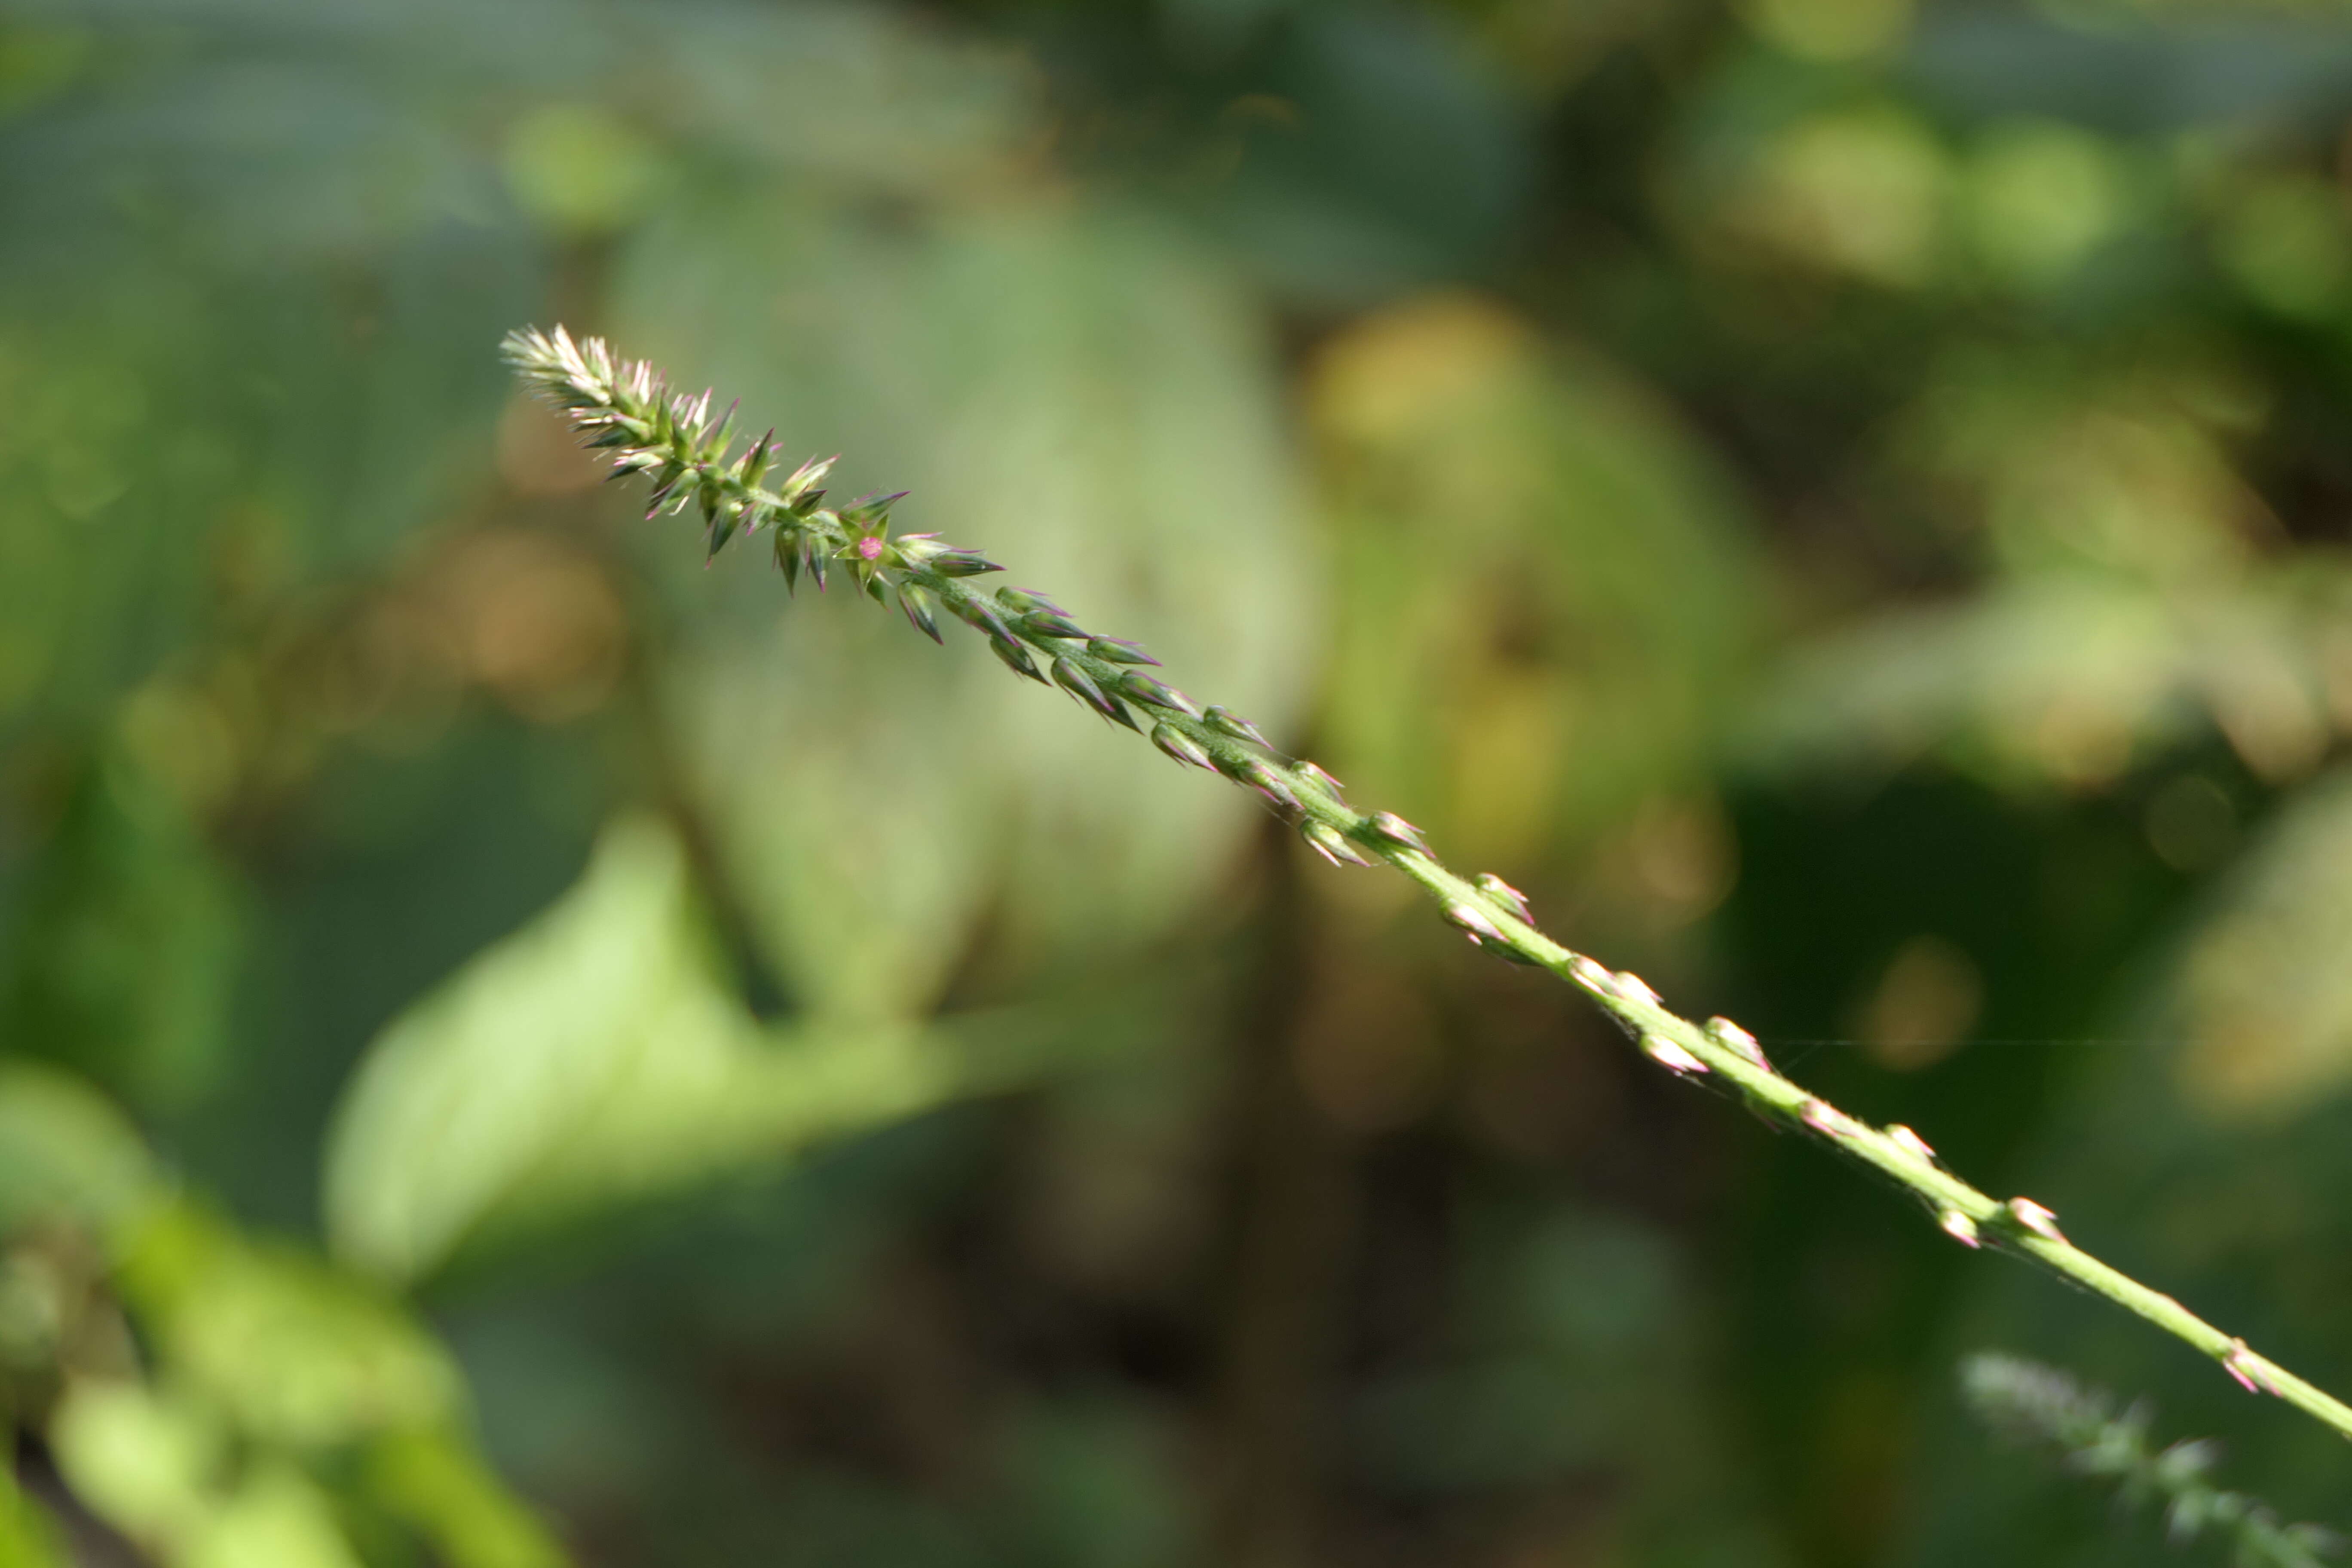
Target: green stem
point(627, 408)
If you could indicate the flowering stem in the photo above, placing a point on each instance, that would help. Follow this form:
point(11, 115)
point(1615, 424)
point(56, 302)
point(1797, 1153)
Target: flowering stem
point(627, 409)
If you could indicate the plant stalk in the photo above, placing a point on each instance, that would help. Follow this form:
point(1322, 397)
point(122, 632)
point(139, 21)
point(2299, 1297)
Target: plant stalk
point(627, 408)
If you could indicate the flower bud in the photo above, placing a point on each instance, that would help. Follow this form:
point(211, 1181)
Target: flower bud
point(1181, 747)
point(1016, 658)
point(1628, 986)
point(1394, 828)
point(1039, 624)
point(918, 606)
point(1330, 843)
point(1269, 784)
point(1227, 723)
point(1494, 888)
point(797, 490)
point(2036, 1218)
point(1733, 1038)
point(1911, 1142)
point(1081, 685)
point(1472, 918)
point(1119, 650)
point(1671, 1055)
point(1137, 686)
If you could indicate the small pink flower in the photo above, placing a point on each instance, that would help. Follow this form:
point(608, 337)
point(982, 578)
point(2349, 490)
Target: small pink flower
point(870, 549)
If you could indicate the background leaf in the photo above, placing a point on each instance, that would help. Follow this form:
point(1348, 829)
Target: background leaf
point(1082, 394)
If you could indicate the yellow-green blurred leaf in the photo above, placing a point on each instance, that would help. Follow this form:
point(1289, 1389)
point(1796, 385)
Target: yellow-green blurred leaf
point(2059, 677)
point(29, 1537)
point(1547, 595)
point(595, 1057)
point(1860, 191)
point(292, 1352)
point(469, 1090)
point(66, 1151)
point(2080, 468)
point(277, 1518)
point(2040, 197)
point(443, 1488)
point(2263, 994)
point(145, 1462)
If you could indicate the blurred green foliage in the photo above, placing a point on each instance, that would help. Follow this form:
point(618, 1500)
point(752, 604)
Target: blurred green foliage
point(522, 1050)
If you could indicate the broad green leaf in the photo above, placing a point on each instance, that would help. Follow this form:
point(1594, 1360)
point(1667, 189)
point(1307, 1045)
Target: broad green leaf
point(29, 1537)
point(147, 1463)
point(467, 1092)
point(291, 1352)
point(595, 1057)
point(271, 1372)
point(443, 1488)
point(65, 1153)
point(277, 1518)
point(161, 1468)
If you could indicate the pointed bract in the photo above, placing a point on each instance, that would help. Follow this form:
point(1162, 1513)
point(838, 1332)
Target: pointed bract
point(1181, 747)
point(1038, 624)
point(917, 603)
point(1330, 843)
point(1494, 888)
point(1016, 658)
point(1253, 772)
point(1226, 721)
point(1119, 650)
point(1323, 780)
point(723, 529)
point(1473, 920)
point(804, 477)
point(1081, 685)
point(1022, 601)
point(868, 513)
point(1137, 686)
point(979, 614)
point(754, 461)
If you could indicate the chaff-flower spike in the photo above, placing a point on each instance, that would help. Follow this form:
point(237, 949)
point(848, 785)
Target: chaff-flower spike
point(625, 408)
